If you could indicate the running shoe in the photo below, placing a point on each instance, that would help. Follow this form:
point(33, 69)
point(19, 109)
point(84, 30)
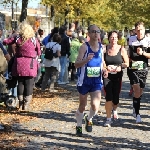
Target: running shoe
point(134, 114)
point(115, 115)
point(88, 124)
point(61, 83)
point(138, 119)
point(108, 123)
point(79, 131)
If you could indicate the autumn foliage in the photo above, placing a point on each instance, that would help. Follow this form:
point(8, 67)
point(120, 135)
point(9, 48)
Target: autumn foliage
point(108, 14)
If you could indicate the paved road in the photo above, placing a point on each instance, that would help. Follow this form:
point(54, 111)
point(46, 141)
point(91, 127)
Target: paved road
point(54, 129)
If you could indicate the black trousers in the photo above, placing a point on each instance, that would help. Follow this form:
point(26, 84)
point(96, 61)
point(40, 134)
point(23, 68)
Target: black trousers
point(25, 86)
point(112, 89)
point(73, 70)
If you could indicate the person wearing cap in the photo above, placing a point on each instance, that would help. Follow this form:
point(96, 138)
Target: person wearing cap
point(75, 45)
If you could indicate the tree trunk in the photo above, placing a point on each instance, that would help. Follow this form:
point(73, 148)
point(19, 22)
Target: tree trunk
point(24, 10)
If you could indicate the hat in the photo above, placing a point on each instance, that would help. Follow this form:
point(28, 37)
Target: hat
point(74, 35)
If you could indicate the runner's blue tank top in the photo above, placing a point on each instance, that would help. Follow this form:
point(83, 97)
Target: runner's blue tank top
point(91, 73)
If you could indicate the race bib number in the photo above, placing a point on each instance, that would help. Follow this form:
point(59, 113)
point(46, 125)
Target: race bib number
point(93, 71)
point(137, 65)
point(112, 69)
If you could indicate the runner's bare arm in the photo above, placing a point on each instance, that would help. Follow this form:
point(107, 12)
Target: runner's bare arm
point(125, 58)
point(105, 71)
point(141, 52)
point(80, 61)
point(146, 54)
point(104, 64)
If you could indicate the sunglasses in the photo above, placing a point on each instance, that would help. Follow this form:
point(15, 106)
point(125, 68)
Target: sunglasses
point(95, 31)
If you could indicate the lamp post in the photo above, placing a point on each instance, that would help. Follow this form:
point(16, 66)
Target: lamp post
point(12, 9)
point(16, 8)
point(16, 11)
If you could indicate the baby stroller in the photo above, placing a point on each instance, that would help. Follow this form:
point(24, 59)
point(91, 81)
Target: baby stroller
point(6, 85)
point(7, 93)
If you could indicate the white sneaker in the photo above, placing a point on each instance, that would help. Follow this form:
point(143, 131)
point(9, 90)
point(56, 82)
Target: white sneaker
point(58, 81)
point(53, 91)
point(61, 83)
point(115, 115)
point(134, 114)
point(108, 123)
point(1, 127)
point(138, 119)
point(67, 82)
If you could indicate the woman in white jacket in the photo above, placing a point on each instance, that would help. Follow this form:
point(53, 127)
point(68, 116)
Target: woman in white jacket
point(52, 66)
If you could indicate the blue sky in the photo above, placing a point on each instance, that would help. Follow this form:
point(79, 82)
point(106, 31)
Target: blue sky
point(33, 3)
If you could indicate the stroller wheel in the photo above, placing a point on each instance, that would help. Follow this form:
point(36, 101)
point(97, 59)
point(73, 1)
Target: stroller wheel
point(11, 102)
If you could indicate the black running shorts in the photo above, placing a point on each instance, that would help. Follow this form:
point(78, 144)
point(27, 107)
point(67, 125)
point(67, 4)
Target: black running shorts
point(138, 77)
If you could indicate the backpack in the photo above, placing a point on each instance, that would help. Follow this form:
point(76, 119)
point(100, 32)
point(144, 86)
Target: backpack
point(3, 63)
point(49, 52)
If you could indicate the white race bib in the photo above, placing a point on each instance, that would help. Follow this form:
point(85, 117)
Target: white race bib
point(112, 67)
point(111, 72)
point(93, 71)
point(137, 65)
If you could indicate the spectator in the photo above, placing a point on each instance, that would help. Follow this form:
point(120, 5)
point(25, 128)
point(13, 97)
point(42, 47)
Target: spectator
point(50, 36)
point(25, 64)
point(52, 66)
point(75, 45)
point(65, 52)
point(121, 39)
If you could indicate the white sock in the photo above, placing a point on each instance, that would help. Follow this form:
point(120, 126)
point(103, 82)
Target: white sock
point(79, 117)
point(91, 114)
point(115, 111)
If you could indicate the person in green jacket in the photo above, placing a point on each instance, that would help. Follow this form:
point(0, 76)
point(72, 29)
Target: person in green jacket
point(75, 45)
